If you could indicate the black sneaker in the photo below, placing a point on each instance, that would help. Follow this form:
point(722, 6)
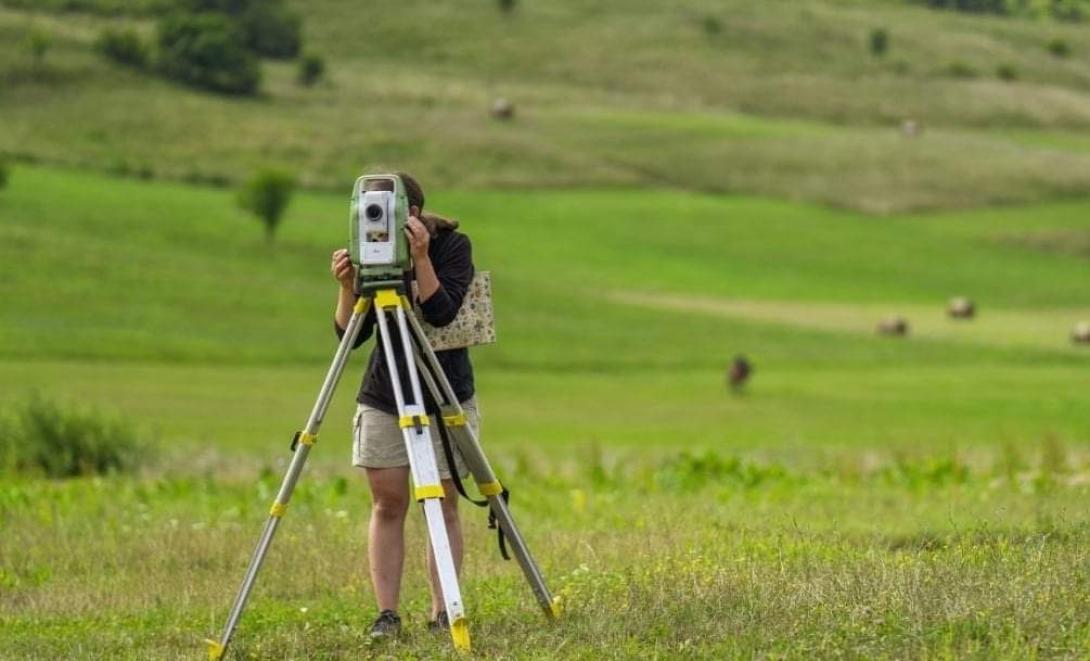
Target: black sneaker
point(387, 625)
point(440, 624)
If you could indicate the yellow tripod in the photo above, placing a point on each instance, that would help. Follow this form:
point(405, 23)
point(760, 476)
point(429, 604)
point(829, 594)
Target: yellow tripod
point(421, 364)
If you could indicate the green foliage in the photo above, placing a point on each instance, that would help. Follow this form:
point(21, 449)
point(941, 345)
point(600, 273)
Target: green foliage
point(101, 7)
point(507, 6)
point(879, 42)
point(38, 43)
point(267, 195)
point(1059, 47)
point(208, 51)
point(1062, 10)
point(272, 30)
point(268, 27)
point(42, 437)
point(711, 25)
point(5, 173)
point(311, 69)
point(123, 46)
point(1006, 72)
point(960, 69)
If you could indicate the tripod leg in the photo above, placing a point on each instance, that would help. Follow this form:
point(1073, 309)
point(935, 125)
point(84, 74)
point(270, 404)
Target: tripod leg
point(427, 488)
point(305, 439)
point(466, 440)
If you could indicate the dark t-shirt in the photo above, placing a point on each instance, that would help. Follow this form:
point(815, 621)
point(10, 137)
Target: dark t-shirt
point(452, 257)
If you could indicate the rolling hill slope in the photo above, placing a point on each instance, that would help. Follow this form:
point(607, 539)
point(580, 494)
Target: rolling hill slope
point(780, 99)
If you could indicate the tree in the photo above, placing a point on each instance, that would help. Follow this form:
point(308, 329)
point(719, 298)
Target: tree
point(207, 50)
point(267, 195)
point(268, 27)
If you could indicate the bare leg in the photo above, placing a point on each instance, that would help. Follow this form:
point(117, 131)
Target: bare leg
point(454, 533)
point(386, 537)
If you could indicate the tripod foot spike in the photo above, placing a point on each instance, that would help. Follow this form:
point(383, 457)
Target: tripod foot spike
point(459, 633)
point(555, 608)
point(215, 649)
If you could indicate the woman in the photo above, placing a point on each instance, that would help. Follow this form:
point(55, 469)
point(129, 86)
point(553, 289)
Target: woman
point(443, 270)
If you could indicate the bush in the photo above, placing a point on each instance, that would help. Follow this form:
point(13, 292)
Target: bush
point(38, 43)
point(1006, 72)
point(4, 174)
point(272, 30)
point(961, 70)
point(879, 42)
point(207, 50)
point(266, 195)
point(269, 28)
point(41, 437)
point(507, 6)
point(311, 69)
point(1059, 47)
point(123, 46)
point(712, 25)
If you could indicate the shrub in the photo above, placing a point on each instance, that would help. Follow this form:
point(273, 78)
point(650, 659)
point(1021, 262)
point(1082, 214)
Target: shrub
point(879, 42)
point(4, 173)
point(42, 437)
point(507, 6)
point(712, 25)
point(1006, 72)
point(272, 30)
point(311, 69)
point(269, 28)
point(266, 195)
point(1059, 47)
point(123, 46)
point(961, 70)
point(38, 43)
point(207, 50)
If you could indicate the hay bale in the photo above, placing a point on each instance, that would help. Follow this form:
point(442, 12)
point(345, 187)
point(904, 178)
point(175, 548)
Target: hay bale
point(502, 109)
point(961, 308)
point(1080, 334)
point(893, 326)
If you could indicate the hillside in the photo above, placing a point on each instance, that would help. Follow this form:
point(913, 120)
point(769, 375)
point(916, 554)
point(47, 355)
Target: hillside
point(778, 99)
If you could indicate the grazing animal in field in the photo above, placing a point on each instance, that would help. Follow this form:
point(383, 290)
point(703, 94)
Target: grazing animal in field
point(961, 308)
point(894, 326)
point(1080, 334)
point(738, 372)
point(502, 109)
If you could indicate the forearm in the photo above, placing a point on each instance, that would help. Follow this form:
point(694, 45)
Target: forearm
point(427, 282)
point(346, 301)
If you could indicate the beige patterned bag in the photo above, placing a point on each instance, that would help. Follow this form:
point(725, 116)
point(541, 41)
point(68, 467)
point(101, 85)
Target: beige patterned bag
point(474, 323)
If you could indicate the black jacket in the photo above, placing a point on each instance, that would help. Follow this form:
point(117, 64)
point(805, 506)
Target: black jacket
point(452, 257)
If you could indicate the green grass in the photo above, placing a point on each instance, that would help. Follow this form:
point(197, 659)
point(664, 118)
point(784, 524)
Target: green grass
point(784, 101)
point(716, 560)
point(864, 498)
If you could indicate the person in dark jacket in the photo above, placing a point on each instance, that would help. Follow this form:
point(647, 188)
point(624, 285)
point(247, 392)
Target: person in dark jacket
point(442, 269)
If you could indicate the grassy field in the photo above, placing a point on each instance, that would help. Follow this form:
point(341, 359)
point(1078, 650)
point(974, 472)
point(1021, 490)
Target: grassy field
point(681, 183)
point(781, 99)
point(866, 497)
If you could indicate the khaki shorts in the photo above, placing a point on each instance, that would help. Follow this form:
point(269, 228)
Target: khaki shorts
point(377, 441)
